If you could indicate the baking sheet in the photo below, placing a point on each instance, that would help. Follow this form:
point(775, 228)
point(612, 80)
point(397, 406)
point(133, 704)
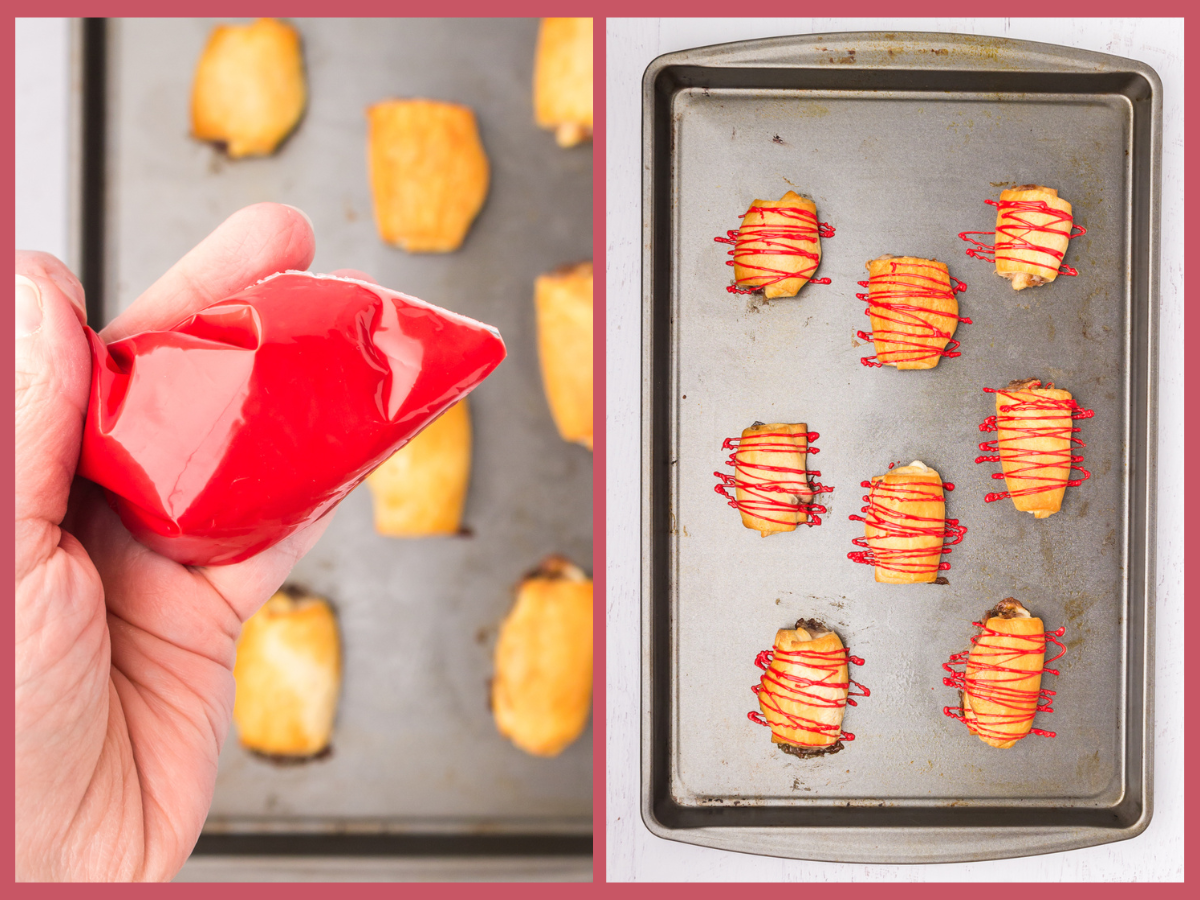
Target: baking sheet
point(414, 747)
point(899, 139)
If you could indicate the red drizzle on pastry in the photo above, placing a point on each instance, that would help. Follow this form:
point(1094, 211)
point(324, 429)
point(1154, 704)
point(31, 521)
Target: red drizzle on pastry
point(778, 685)
point(1022, 704)
point(894, 523)
point(775, 492)
point(780, 240)
point(893, 299)
point(1015, 234)
point(1030, 464)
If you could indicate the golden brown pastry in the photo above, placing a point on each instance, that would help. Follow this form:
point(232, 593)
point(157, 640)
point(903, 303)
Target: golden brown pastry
point(803, 691)
point(288, 672)
point(1001, 686)
point(905, 525)
point(913, 311)
point(429, 173)
point(778, 246)
point(421, 489)
point(1033, 228)
point(564, 320)
point(562, 79)
point(1033, 444)
point(770, 480)
point(249, 90)
point(542, 689)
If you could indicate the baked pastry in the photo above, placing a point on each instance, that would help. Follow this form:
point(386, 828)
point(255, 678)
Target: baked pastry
point(804, 689)
point(421, 489)
point(1033, 228)
point(1000, 688)
point(778, 247)
point(913, 310)
point(542, 690)
point(906, 526)
point(770, 481)
point(288, 672)
point(564, 320)
point(562, 79)
point(249, 90)
point(429, 173)
point(1033, 426)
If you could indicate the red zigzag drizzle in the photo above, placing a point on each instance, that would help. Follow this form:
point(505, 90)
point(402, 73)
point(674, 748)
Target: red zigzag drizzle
point(896, 524)
point(896, 304)
point(1023, 703)
point(1015, 236)
point(776, 687)
point(778, 495)
point(1031, 462)
point(780, 240)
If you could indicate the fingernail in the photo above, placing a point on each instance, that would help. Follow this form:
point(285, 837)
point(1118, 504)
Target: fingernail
point(303, 213)
point(29, 307)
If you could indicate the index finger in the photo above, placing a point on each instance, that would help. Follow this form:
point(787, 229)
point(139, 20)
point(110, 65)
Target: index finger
point(253, 243)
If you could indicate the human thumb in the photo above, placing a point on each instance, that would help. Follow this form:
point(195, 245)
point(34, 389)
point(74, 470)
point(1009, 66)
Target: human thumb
point(53, 376)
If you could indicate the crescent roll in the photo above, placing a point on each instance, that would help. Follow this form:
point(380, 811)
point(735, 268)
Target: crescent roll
point(421, 489)
point(1033, 440)
point(288, 672)
point(770, 479)
point(429, 173)
point(913, 310)
point(1033, 228)
point(1003, 677)
point(249, 90)
point(802, 693)
point(542, 689)
point(778, 246)
point(562, 79)
point(905, 524)
point(564, 321)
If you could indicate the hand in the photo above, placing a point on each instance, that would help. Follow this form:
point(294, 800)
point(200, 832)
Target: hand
point(124, 658)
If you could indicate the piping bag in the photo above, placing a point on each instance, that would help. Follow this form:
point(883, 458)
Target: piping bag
point(219, 437)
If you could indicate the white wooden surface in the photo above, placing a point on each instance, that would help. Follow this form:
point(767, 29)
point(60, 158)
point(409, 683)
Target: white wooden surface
point(633, 853)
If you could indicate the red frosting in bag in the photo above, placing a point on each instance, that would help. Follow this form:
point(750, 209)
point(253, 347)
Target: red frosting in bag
point(217, 438)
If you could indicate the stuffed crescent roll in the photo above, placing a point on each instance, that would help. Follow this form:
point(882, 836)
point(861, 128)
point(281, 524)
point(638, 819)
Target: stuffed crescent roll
point(778, 246)
point(803, 691)
point(541, 693)
point(1001, 685)
point(288, 671)
point(905, 525)
point(1033, 228)
point(562, 79)
point(249, 89)
point(913, 310)
point(1033, 441)
point(564, 321)
point(421, 489)
point(770, 479)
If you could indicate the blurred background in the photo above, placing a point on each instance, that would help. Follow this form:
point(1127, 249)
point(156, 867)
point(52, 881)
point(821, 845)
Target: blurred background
point(419, 784)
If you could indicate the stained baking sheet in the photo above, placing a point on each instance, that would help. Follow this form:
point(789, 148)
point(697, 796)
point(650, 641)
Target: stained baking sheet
point(899, 138)
point(414, 747)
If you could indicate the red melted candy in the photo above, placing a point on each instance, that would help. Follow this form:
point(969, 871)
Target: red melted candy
point(776, 687)
point(776, 490)
point(1019, 233)
point(1033, 464)
point(893, 523)
point(778, 239)
point(217, 438)
point(899, 302)
point(1022, 703)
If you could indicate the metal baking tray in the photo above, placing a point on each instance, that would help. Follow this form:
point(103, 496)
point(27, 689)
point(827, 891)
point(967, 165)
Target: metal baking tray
point(415, 754)
point(899, 138)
